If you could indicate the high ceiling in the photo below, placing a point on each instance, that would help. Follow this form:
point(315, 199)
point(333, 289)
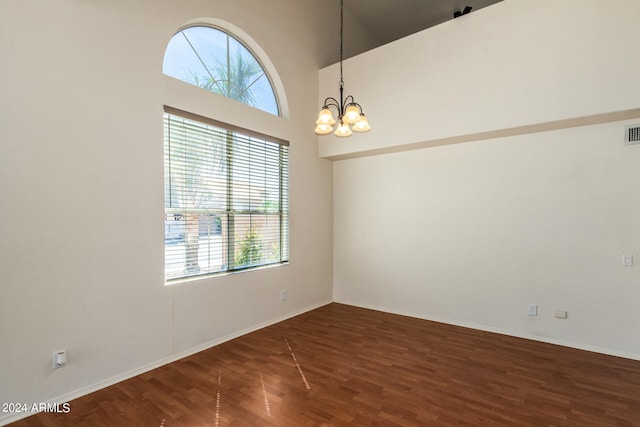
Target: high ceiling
point(389, 20)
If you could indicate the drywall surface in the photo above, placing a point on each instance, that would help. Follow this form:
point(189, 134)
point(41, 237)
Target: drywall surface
point(500, 70)
point(81, 190)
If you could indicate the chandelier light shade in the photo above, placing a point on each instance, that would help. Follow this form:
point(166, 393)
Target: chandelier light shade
point(350, 117)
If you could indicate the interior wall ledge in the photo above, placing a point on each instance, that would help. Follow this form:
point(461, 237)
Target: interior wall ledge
point(589, 120)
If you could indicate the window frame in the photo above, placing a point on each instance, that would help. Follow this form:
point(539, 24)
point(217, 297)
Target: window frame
point(275, 85)
point(230, 246)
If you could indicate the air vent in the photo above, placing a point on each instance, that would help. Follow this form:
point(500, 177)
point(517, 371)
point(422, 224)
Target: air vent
point(632, 135)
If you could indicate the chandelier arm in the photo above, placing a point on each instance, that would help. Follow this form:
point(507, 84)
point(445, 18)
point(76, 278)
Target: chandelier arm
point(332, 102)
point(355, 104)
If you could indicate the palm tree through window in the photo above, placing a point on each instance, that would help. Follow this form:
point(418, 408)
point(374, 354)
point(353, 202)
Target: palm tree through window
point(216, 61)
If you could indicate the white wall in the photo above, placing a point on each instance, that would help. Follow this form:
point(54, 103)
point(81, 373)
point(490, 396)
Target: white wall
point(471, 233)
point(81, 190)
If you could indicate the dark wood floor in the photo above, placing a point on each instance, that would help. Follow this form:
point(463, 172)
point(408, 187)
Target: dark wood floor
point(340, 365)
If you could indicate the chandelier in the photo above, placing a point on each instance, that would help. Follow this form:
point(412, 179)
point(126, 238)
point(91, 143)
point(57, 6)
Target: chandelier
point(350, 115)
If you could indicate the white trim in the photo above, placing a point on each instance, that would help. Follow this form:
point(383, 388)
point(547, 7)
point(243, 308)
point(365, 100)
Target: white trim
point(10, 418)
point(480, 327)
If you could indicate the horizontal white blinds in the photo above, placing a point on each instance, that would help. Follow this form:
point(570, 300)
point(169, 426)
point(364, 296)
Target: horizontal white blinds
point(226, 198)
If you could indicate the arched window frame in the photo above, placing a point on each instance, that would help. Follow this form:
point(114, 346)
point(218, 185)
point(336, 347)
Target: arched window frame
point(254, 48)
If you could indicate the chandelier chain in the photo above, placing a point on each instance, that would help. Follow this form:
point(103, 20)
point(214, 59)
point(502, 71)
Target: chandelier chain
point(341, 38)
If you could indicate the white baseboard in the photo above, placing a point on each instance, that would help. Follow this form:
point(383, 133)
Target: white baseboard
point(518, 334)
point(10, 418)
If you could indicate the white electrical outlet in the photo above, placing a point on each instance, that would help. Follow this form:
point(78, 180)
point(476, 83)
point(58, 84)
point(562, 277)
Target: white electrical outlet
point(283, 295)
point(561, 314)
point(532, 309)
point(627, 260)
point(60, 359)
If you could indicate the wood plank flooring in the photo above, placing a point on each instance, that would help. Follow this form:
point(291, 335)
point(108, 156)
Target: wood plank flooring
point(340, 365)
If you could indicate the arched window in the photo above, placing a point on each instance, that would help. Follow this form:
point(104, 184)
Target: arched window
point(216, 61)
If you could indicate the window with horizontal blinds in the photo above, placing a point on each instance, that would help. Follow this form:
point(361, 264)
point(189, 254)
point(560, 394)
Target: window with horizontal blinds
point(226, 197)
